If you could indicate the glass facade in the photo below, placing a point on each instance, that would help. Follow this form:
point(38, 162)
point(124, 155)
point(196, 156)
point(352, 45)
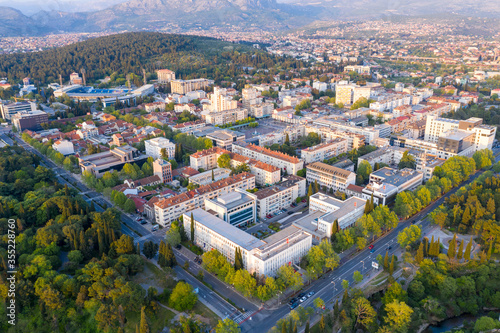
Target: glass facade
point(242, 216)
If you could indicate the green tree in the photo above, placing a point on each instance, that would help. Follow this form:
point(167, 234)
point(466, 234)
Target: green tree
point(182, 298)
point(129, 206)
point(409, 235)
point(364, 312)
point(452, 247)
point(149, 249)
point(407, 161)
point(420, 253)
point(309, 191)
point(224, 161)
point(227, 326)
point(357, 277)
point(485, 324)
point(319, 303)
point(391, 266)
point(398, 316)
point(144, 327)
point(316, 186)
point(364, 170)
point(460, 252)
point(192, 227)
point(386, 260)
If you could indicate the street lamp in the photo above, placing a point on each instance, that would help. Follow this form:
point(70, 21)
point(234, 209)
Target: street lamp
point(363, 265)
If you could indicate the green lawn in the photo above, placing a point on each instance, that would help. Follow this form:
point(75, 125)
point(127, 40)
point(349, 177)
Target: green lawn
point(205, 312)
point(156, 324)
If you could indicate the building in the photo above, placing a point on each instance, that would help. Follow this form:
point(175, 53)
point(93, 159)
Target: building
point(484, 135)
point(390, 155)
point(324, 210)
point(65, 147)
point(262, 257)
point(225, 138)
point(363, 70)
point(344, 94)
point(286, 163)
point(273, 199)
point(9, 109)
point(226, 116)
point(324, 151)
point(169, 209)
point(117, 139)
point(237, 208)
point(115, 159)
point(163, 169)
point(329, 176)
point(150, 107)
point(184, 86)
point(165, 75)
point(386, 183)
point(140, 183)
point(220, 100)
point(427, 163)
point(261, 110)
point(189, 127)
point(155, 146)
point(29, 120)
point(210, 176)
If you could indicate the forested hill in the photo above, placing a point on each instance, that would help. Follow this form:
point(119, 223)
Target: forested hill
point(129, 53)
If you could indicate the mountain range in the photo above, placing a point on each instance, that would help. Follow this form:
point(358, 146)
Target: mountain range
point(179, 15)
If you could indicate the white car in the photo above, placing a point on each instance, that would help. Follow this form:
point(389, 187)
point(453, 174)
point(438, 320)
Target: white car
point(302, 300)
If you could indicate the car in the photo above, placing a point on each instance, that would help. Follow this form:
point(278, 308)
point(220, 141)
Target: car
point(294, 305)
point(284, 209)
point(138, 219)
point(389, 248)
point(304, 200)
point(372, 250)
point(290, 213)
point(144, 222)
point(301, 295)
point(178, 246)
point(155, 227)
point(303, 299)
point(370, 247)
point(292, 205)
point(310, 294)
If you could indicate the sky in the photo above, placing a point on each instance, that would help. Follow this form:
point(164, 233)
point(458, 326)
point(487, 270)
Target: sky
point(29, 7)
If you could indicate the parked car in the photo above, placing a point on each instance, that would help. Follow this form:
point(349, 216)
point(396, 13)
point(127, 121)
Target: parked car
point(144, 222)
point(290, 213)
point(155, 227)
point(294, 305)
point(178, 246)
point(370, 247)
point(310, 294)
point(372, 250)
point(303, 299)
point(284, 209)
point(301, 294)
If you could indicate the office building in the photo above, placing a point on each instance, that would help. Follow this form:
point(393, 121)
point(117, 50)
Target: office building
point(484, 135)
point(169, 209)
point(273, 199)
point(226, 116)
point(165, 75)
point(184, 86)
point(155, 146)
point(286, 163)
point(29, 120)
point(262, 257)
point(220, 100)
point(115, 159)
point(329, 176)
point(324, 210)
point(225, 138)
point(324, 151)
point(9, 109)
point(163, 169)
point(386, 183)
point(237, 208)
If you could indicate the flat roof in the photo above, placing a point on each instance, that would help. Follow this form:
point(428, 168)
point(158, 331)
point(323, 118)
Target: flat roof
point(396, 177)
point(226, 230)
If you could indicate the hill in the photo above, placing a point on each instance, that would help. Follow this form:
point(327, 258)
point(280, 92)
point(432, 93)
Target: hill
point(126, 53)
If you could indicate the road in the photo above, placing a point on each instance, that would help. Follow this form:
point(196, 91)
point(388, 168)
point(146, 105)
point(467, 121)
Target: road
point(329, 288)
point(254, 319)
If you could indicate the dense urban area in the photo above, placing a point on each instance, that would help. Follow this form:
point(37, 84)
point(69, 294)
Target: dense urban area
point(339, 178)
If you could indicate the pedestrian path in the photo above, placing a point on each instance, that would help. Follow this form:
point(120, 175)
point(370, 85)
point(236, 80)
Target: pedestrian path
point(240, 317)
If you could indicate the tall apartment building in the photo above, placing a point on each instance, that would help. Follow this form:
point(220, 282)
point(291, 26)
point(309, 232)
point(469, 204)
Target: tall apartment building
point(163, 169)
point(484, 135)
point(165, 75)
point(344, 94)
point(221, 101)
point(330, 176)
point(286, 163)
point(226, 117)
point(168, 209)
point(324, 151)
point(7, 110)
point(249, 97)
point(155, 146)
point(31, 120)
point(184, 86)
point(273, 199)
point(262, 257)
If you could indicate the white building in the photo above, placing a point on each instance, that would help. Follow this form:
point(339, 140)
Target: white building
point(210, 176)
point(237, 208)
point(262, 257)
point(155, 146)
point(65, 147)
point(165, 75)
point(329, 176)
point(484, 135)
point(324, 151)
point(226, 116)
point(9, 109)
point(272, 199)
point(220, 100)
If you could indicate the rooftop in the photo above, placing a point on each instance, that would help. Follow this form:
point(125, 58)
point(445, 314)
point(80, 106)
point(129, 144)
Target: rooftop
point(269, 152)
point(224, 229)
point(330, 169)
point(395, 177)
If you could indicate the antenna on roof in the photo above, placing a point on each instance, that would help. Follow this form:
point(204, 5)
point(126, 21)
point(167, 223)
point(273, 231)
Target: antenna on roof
point(83, 76)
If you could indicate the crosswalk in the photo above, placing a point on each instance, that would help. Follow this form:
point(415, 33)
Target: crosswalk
point(239, 317)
